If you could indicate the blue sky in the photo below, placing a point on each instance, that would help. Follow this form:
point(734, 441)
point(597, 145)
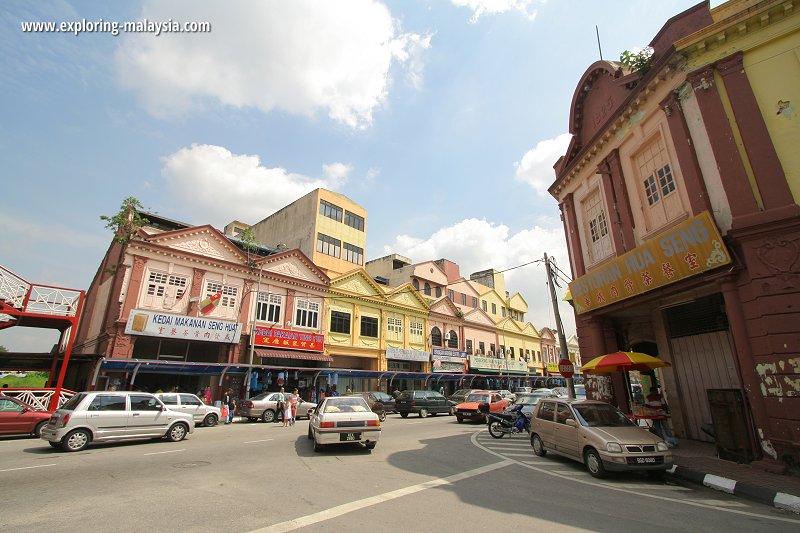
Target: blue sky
point(442, 118)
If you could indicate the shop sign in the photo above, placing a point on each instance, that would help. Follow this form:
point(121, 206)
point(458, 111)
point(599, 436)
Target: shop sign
point(190, 328)
point(399, 366)
point(440, 365)
point(498, 365)
point(404, 354)
point(454, 356)
point(690, 248)
point(288, 339)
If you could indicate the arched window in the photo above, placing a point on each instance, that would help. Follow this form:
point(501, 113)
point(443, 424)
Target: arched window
point(436, 337)
point(427, 289)
point(452, 341)
point(415, 283)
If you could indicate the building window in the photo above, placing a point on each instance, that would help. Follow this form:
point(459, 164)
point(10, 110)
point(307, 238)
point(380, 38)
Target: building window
point(600, 245)
point(468, 346)
point(427, 289)
point(660, 204)
point(438, 292)
point(394, 325)
point(354, 221)
point(483, 304)
point(452, 339)
point(481, 348)
point(328, 245)
point(164, 290)
point(369, 326)
point(474, 303)
point(354, 254)
point(491, 349)
point(230, 296)
point(436, 337)
point(415, 328)
point(503, 310)
point(415, 283)
point(511, 351)
point(463, 299)
point(494, 309)
point(502, 350)
point(331, 211)
point(269, 306)
point(307, 314)
point(340, 322)
point(451, 295)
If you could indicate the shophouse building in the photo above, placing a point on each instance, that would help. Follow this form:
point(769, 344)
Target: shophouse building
point(326, 226)
point(679, 195)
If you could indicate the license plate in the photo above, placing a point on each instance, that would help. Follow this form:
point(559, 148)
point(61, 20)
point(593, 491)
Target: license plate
point(350, 437)
point(647, 460)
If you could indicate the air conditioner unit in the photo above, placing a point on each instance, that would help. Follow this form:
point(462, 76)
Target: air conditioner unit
point(447, 336)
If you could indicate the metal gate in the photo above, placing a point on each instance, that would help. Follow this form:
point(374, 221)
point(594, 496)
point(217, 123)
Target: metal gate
point(702, 362)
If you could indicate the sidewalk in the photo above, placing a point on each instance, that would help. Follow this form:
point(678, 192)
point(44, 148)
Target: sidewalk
point(698, 462)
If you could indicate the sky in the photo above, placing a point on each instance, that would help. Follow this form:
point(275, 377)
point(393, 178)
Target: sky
point(442, 118)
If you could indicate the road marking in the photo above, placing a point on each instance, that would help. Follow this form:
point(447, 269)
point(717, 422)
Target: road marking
point(340, 510)
point(169, 451)
point(638, 492)
point(26, 467)
point(252, 441)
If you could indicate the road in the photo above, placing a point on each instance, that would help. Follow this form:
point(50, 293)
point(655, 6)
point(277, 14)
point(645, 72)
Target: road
point(425, 475)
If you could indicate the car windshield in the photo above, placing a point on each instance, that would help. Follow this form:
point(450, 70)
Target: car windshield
point(73, 402)
point(531, 399)
point(348, 404)
point(478, 398)
point(601, 415)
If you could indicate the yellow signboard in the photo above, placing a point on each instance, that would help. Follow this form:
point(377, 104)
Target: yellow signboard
point(690, 248)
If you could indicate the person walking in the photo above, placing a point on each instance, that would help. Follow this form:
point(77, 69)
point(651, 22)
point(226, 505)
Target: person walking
point(287, 413)
point(280, 405)
point(229, 402)
point(294, 399)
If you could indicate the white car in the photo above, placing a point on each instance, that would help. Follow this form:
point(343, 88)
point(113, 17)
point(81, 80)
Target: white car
point(207, 415)
point(506, 394)
point(344, 419)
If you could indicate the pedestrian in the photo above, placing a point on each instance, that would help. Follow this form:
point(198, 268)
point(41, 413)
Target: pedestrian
point(279, 405)
point(207, 396)
point(287, 412)
point(334, 392)
point(229, 402)
point(294, 399)
point(348, 390)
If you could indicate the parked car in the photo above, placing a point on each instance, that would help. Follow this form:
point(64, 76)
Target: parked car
point(375, 400)
point(100, 416)
point(206, 415)
point(598, 435)
point(460, 396)
point(344, 419)
point(523, 390)
point(469, 410)
point(423, 402)
point(529, 401)
point(506, 395)
point(19, 418)
point(264, 405)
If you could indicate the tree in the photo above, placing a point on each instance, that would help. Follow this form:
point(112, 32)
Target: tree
point(3, 348)
point(125, 224)
point(249, 243)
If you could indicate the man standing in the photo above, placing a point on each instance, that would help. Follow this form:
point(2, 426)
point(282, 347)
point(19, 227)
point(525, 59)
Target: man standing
point(279, 407)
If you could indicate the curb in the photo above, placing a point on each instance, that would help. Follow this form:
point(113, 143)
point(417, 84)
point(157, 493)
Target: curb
point(780, 500)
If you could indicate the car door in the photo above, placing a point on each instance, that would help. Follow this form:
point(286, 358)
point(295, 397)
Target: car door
point(146, 417)
point(11, 419)
point(565, 436)
point(192, 405)
point(436, 402)
point(106, 414)
point(543, 424)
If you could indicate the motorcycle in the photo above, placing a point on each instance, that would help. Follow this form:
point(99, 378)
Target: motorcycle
point(510, 422)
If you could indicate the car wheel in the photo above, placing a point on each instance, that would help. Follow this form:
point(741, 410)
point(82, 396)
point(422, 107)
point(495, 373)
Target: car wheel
point(594, 464)
point(268, 416)
point(459, 419)
point(538, 445)
point(403, 415)
point(423, 413)
point(54, 444)
point(310, 433)
point(370, 445)
point(76, 440)
point(177, 432)
point(496, 430)
point(210, 421)
point(37, 431)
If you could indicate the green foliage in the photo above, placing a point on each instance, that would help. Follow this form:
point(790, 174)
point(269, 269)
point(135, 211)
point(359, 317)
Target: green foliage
point(33, 380)
point(638, 62)
point(127, 221)
point(249, 243)
point(3, 348)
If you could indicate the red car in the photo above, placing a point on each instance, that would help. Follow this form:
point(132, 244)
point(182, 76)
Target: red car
point(17, 417)
point(469, 409)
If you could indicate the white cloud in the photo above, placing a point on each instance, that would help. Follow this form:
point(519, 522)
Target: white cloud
point(301, 57)
point(494, 7)
point(218, 186)
point(536, 167)
point(477, 245)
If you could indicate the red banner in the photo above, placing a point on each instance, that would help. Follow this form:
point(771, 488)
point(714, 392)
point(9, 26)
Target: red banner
point(288, 339)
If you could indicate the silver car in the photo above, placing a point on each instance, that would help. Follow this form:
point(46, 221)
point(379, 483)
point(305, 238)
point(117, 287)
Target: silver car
point(264, 406)
point(203, 414)
point(101, 416)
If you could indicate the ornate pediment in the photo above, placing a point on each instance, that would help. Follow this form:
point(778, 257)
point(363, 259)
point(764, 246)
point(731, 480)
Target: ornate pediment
point(477, 317)
point(292, 267)
point(203, 240)
point(357, 283)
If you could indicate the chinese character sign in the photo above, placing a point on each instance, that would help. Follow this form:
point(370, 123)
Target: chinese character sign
point(166, 325)
point(288, 339)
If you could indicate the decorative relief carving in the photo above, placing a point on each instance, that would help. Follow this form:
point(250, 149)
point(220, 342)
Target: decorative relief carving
point(779, 256)
point(289, 269)
point(717, 256)
point(200, 245)
point(355, 285)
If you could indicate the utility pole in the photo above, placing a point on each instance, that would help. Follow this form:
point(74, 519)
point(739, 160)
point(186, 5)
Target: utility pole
point(562, 340)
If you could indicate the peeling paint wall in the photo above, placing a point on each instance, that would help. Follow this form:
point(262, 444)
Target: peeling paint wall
point(780, 379)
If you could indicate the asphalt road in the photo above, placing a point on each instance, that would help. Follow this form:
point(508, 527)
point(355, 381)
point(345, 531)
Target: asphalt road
point(425, 475)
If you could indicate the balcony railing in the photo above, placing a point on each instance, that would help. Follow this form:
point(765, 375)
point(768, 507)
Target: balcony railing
point(37, 299)
point(39, 398)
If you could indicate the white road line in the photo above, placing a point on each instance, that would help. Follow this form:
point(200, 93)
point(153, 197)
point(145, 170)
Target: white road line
point(169, 451)
point(340, 510)
point(638, 492)
point(252, 441)
point(26, 467)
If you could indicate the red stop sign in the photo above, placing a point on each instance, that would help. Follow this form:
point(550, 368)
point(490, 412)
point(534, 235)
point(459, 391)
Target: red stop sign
point(566, 368)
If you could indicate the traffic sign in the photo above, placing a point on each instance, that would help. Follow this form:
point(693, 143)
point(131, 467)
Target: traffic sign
point(566, 368)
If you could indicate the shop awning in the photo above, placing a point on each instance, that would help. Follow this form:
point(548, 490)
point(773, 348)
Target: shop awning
point(287, 354)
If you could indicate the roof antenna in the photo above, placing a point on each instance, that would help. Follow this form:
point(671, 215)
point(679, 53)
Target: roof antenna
point(597, 31)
